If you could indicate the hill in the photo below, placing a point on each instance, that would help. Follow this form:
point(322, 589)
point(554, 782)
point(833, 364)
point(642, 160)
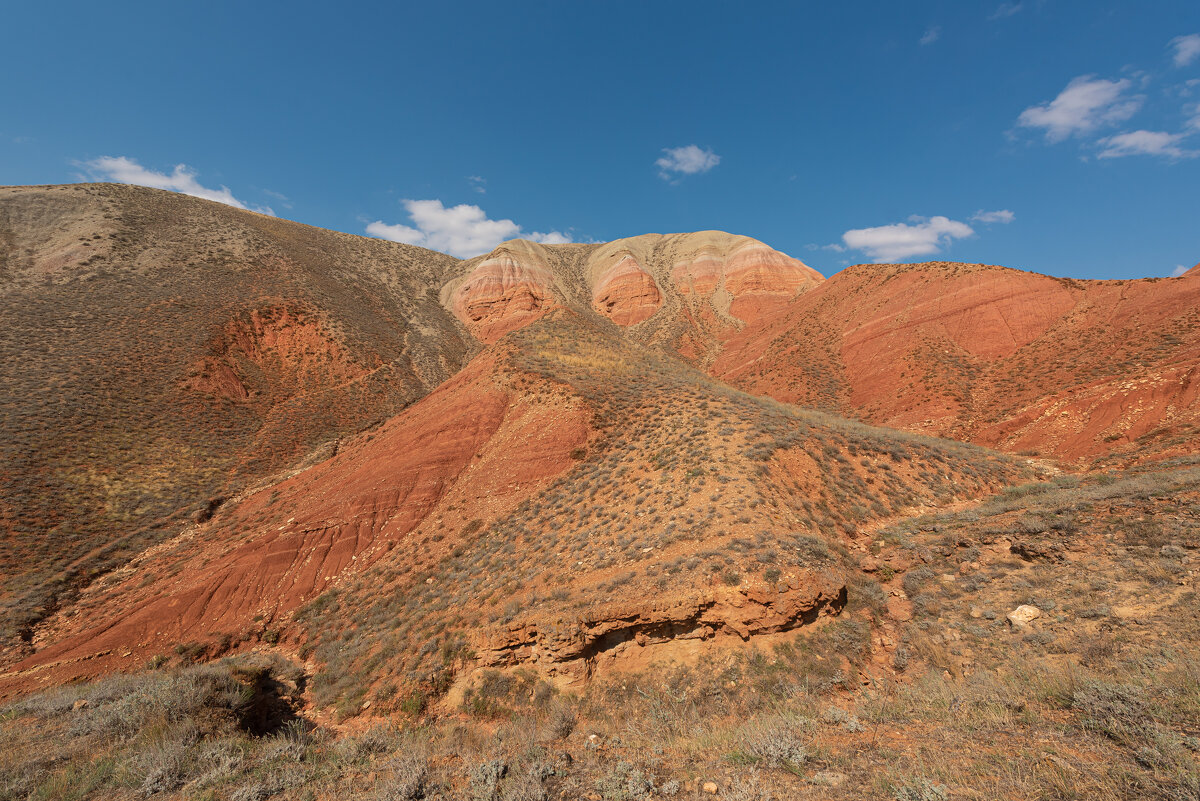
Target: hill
point(292, 513)
point(1088, 372)
point(161, 353)
point(565, 471)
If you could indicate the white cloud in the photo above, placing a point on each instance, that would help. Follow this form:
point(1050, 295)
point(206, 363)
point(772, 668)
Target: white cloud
point(478, 183)
point(1002, 216)
point(1086, 104)
point(932, 35)
point(889, 243)
point(1179, 270)
point(462, 231)
point(687, 160)
point(1005, 10)
point(1145, 143)
point(182, 179)
point(550, 238)
point(1187, 49)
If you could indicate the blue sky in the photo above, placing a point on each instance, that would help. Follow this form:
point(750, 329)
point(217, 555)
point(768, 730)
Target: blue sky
point(1049, 135)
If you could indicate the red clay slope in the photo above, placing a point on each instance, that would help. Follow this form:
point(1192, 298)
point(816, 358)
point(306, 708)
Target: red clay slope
point(1018, 361)
point(474, 447)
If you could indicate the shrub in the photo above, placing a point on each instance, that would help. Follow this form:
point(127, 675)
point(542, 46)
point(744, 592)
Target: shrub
point(561, 722)
point(922, 790)
point(915, 579)
point(774, 742)
point(484, 779)
point(407, 782)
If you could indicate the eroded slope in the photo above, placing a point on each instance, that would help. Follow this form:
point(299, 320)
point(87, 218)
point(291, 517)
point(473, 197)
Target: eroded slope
point(160, 353)
point(1069, 369)
point(685, 291)
point(695, 515)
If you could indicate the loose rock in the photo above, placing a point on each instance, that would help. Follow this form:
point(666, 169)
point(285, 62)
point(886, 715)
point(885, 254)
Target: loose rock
point(1021, 617)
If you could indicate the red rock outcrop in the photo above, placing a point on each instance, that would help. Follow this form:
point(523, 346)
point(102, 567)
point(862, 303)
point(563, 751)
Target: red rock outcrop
point(742, 277)
point(617, 631)
point(508, 289)
point(711, 281)
point(288, 346)
point(626, 293)
point(762, 279)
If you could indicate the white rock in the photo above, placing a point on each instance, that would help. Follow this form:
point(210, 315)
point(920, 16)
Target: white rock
point(1020, 617)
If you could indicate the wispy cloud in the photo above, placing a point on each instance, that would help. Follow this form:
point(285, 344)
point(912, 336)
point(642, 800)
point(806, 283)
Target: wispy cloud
point(932, 34)
point(1145, 143)
point(182, 179)
point(1002, 216)
point(919, 237)
point(462, 231)
point(282, 198)
point(1005, 10)
point(687, 160)
point(478, 183)
point(1179, 270)
point(1086, 104)
point(1187, 49)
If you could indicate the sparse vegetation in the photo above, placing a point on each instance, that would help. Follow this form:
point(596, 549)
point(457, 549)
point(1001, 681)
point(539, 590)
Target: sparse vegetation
point(707, 587)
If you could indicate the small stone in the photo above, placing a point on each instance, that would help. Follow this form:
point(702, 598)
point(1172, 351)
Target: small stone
point(1021, 617)
point(976, 612)
point(710, 788)
point(869, 564)
point(82, 703)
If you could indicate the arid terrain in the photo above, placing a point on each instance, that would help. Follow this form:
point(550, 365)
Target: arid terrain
point(289, 513)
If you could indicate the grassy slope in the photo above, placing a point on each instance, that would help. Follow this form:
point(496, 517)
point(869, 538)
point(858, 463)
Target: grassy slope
point(1100, 698)
point(118, 302)
point(686, 484)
